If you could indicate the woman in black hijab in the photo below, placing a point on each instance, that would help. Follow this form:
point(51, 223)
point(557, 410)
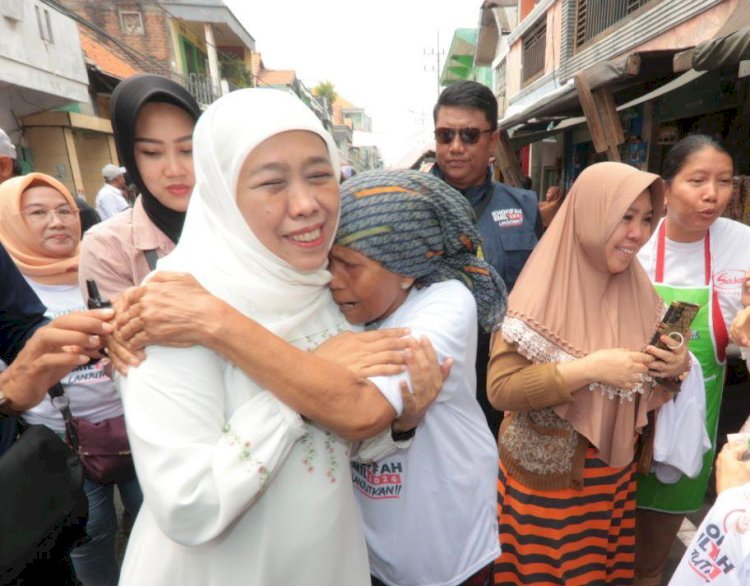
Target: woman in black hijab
point(152, 119)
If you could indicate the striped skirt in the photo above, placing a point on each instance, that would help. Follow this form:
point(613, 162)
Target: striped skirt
point(568, 537)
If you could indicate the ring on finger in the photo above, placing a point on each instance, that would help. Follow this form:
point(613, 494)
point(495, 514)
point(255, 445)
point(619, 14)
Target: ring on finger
point(677, 337)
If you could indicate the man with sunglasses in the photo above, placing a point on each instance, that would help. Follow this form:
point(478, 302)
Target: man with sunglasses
point(466, 137)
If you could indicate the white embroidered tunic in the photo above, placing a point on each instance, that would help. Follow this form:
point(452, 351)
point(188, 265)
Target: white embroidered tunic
point(238, 488)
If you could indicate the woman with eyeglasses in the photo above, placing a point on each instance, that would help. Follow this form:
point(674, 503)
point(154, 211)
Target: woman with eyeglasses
point(41, 230)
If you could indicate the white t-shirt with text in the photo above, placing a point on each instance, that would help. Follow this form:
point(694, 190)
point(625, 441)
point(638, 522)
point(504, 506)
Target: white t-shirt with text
point(430, 511)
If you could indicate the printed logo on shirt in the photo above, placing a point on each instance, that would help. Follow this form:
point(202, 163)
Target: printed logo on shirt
point(86, 375)
point(508, 218)
point(378, 481)
point(729, 280)
point(706, 558)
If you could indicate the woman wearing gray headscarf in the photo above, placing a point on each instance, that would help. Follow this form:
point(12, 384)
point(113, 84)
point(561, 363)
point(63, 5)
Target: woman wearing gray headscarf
point(405, 255)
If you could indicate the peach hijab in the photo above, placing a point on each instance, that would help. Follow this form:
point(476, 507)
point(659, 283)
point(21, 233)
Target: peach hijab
point(566, 304)
point(20, 241)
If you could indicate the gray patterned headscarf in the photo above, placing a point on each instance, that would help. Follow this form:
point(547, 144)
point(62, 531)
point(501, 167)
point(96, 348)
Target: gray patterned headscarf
point(418, 226)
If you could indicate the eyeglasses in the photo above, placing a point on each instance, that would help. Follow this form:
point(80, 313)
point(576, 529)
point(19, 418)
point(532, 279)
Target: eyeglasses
point(65, 214)
point(467, 135)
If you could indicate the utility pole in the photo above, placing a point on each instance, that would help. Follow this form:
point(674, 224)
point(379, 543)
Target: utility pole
point(436, 52)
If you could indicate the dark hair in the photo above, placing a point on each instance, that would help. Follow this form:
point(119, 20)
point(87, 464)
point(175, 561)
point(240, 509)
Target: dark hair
point(684, 148)
point(127, 100)
point(469, 94)
point(17, 167)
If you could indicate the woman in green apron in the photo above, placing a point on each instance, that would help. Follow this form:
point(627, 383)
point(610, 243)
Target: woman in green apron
point(698, 257)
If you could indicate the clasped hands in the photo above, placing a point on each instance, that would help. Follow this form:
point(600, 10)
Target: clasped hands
point(625, 369)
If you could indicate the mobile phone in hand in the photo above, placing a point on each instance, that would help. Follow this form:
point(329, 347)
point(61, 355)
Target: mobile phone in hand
point(676, 320)
point(95, 299)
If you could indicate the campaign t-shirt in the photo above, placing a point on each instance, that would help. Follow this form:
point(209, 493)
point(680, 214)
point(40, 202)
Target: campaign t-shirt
point(91, 392)
point(430, 510)
point(720, 551)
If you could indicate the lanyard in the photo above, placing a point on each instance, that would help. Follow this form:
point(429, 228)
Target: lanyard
point(719, 329)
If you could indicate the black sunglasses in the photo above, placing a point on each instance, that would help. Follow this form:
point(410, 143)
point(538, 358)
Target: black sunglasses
point(467, 135)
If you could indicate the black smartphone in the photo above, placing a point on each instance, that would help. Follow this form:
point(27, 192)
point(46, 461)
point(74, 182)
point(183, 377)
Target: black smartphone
point(95, 299)
point(96, 302)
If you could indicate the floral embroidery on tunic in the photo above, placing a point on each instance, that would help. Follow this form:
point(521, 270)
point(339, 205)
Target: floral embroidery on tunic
point(308, 442)
point(245, 454)
point(308, 449)
point(330, 444)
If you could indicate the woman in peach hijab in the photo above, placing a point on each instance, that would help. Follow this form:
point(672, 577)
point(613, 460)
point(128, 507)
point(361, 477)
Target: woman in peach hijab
point(573, 368)
point(41, 230)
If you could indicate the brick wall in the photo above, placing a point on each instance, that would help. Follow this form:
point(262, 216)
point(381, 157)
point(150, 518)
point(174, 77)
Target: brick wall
point(155, 44)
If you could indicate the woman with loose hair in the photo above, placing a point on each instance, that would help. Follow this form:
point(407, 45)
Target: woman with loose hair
point(694, 255)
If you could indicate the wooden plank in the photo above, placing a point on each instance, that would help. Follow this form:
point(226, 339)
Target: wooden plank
point(48, 118)
point(588, 105)
point(506, 158)
point(607, 109)
point(683, 61)
point(75, 167)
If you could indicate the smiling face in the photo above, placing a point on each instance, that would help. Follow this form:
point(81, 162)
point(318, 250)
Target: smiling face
point(164, 153)
point(464, 165)
point(698, 194)
point(288, 193)
point(630, 234)
point(56, 234)
point(365, 290)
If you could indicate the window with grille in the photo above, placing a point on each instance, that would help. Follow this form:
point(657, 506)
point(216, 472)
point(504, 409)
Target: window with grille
point(534, 48)
point(131, 22)
point(595, 16)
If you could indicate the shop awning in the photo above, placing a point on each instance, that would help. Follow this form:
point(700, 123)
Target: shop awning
point(533, 132)
point(729, 46)
point(459, 62)
point(624, 76)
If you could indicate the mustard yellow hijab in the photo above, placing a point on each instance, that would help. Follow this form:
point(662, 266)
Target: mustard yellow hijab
point(21, 243)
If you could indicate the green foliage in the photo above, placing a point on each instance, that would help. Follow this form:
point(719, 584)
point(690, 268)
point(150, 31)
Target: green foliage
point(233, 70)
point(326, 89)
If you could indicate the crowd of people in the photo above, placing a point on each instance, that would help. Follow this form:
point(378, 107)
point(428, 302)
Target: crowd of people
point(385, 377)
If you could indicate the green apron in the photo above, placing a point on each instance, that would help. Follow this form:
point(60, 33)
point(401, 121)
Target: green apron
point(708, 342)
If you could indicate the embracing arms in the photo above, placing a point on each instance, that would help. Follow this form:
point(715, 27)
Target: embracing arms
point(173, 309)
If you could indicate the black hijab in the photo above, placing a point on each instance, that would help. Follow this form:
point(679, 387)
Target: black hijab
point(129, 97)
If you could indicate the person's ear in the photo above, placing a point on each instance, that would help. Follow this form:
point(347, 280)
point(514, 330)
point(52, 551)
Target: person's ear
point(407, 283)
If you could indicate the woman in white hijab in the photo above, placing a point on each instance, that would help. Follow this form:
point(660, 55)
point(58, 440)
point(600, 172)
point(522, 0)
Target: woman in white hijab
point(238, 487)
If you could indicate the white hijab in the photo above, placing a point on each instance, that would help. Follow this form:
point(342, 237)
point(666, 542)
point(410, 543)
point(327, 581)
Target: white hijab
point(218, 247)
